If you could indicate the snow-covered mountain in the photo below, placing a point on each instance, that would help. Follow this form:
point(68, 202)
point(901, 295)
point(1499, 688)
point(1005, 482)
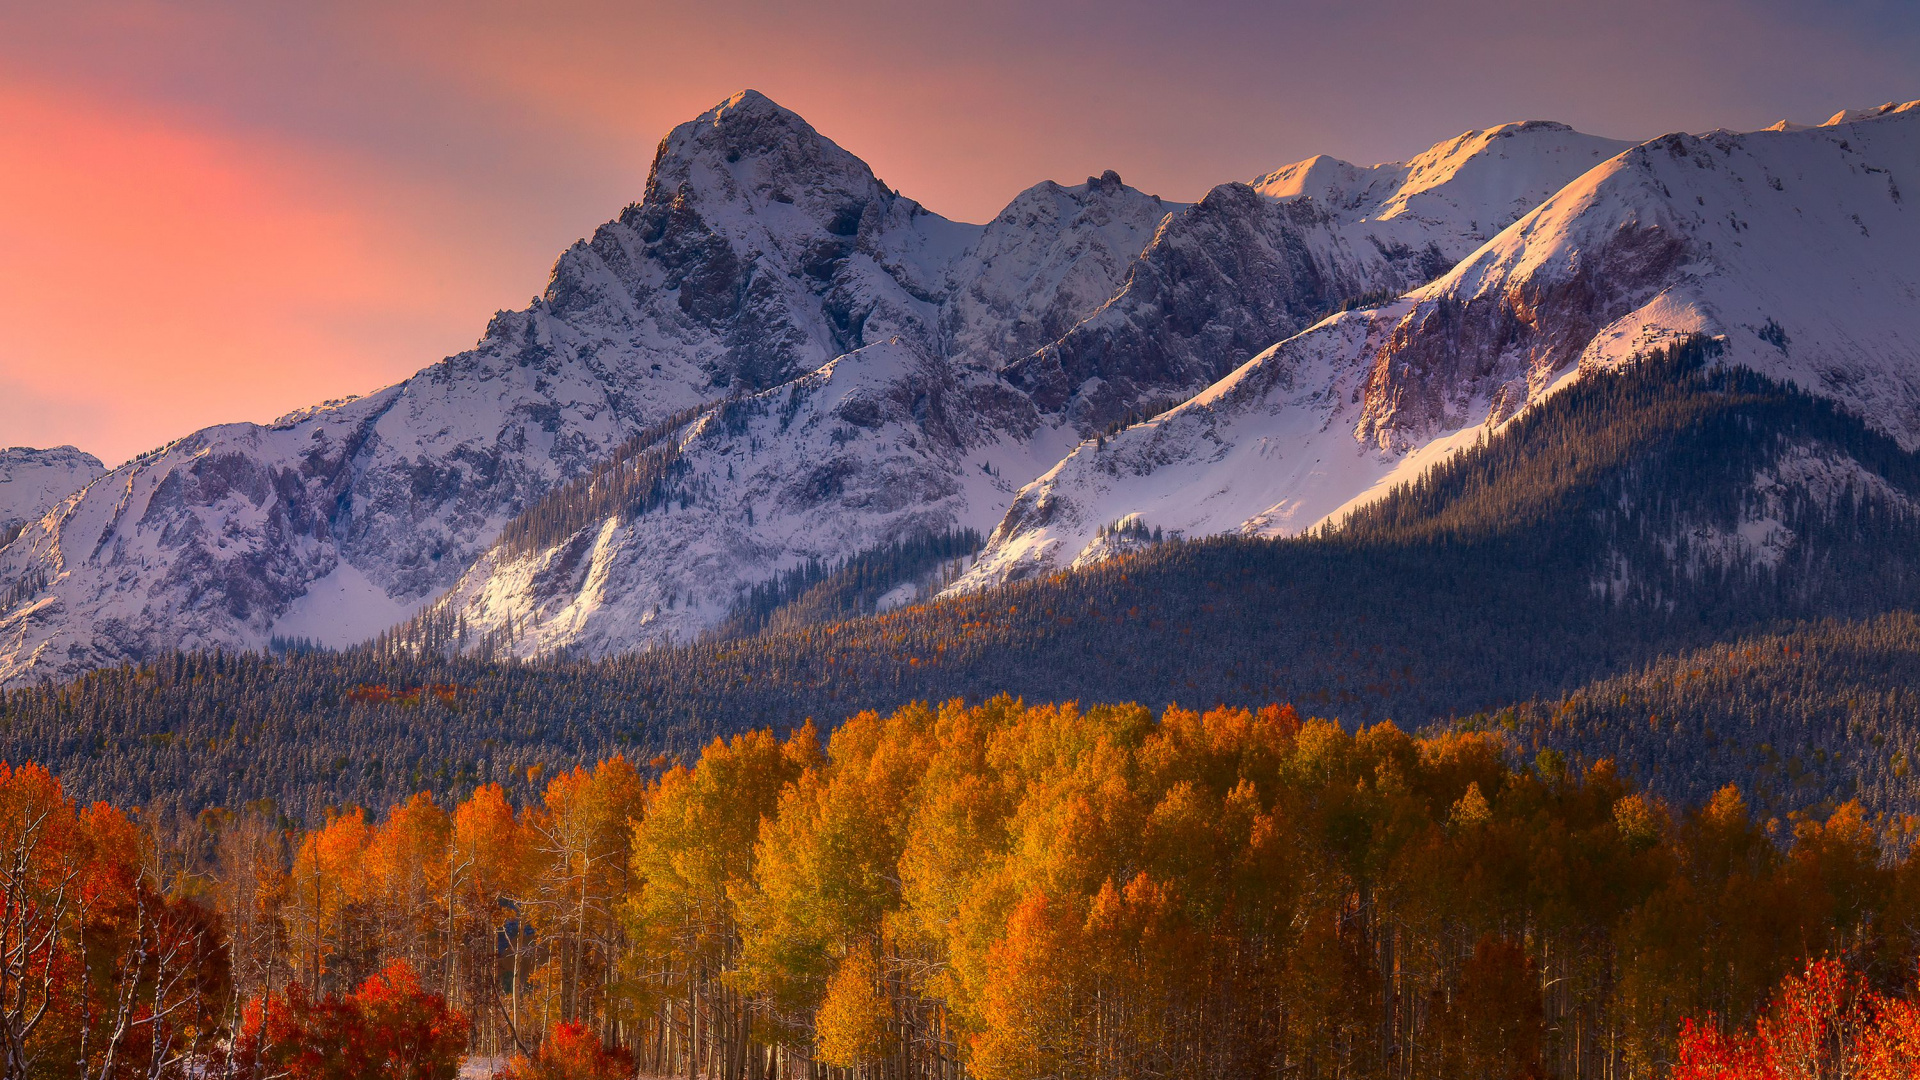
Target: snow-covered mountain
point(759, 252)
point(1253, 263)
point(889, 443)
point(31, 481)
point(847, 370)
point(1797, 248)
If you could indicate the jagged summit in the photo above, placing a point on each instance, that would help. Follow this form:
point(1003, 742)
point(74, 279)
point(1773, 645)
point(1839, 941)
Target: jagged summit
point(749, 148)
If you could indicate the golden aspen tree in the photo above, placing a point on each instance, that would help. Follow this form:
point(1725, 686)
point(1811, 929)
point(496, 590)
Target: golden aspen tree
point(406, 866)
point(854, 1016)
point(492, 866)
point(324, 892)
point(583, 832)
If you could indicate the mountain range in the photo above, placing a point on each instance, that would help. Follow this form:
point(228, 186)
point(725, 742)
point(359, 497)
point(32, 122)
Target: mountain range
point(773, 364)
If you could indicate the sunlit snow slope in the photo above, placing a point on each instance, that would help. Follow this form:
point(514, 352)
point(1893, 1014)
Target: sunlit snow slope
point(1798, 248)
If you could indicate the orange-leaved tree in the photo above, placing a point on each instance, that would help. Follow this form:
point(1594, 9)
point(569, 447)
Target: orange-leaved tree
point(571, 1051)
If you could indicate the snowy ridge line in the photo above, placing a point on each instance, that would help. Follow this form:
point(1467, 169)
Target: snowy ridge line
point(897, 374)
point(1795, 247)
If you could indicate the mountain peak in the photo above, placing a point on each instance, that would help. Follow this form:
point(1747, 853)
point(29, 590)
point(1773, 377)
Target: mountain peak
point(747, 125)
point(747, 106)
point(750, 150)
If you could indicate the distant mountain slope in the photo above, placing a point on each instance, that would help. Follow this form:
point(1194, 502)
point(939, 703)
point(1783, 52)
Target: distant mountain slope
point(32, 481)
point(1636, 516)
point(1798, 249)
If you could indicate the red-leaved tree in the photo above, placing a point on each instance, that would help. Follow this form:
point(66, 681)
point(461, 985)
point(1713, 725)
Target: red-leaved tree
point(1822, 1024)
point(389, 1028)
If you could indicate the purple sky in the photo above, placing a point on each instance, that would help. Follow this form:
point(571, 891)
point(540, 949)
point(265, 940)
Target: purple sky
point(219, 211)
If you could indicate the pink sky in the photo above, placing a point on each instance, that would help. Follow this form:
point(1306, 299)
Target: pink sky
point(220, 211)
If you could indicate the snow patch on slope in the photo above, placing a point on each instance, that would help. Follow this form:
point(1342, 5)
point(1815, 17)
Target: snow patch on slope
point(342, 608)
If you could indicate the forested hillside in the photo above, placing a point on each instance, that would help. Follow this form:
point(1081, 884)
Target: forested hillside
point(1805, 719)
point(1631, 517)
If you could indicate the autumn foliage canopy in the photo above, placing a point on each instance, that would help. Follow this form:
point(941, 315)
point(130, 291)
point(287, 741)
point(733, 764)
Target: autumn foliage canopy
point(1001, 891)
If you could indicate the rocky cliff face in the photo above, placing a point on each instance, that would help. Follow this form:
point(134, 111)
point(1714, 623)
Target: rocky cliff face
point(1042, 264)
point(1795, 248)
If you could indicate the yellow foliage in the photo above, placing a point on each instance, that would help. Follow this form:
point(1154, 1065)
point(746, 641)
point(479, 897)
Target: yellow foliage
point(852, 1022)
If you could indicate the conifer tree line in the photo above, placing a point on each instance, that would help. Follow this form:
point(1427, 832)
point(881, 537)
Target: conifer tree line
point(829, 591)
point(1805, 719)
point(1000, 891)
point(636, 478)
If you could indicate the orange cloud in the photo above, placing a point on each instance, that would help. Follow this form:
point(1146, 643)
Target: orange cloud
point(157, 278)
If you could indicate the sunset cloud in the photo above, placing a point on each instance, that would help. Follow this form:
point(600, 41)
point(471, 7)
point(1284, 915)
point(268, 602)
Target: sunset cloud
point(157, 278)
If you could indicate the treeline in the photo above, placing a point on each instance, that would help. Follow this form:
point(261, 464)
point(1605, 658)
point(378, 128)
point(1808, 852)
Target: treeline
point(1594, 537)
point(1007, 891)
point(307, 732)
point(636, 478)
point(827, 591)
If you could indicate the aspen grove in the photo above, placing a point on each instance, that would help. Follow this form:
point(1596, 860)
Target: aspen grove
point(1001, 891)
